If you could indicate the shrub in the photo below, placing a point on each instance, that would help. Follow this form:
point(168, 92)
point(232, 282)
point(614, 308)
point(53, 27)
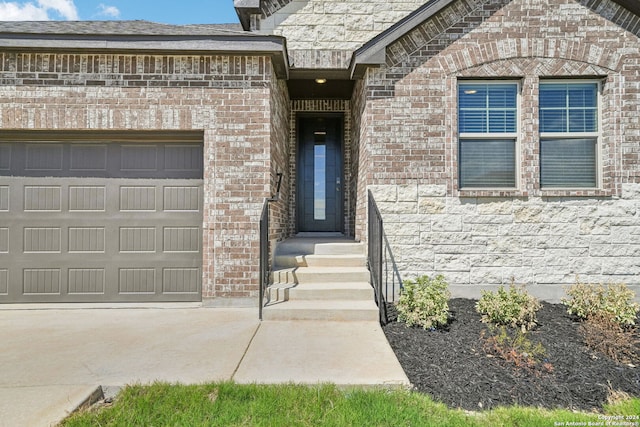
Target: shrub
point(515, 347)
point(513, 307)
point(615, 300)
point(424, 302)
point(602, 333)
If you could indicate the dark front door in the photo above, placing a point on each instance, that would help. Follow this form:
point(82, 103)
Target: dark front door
point(320, 174)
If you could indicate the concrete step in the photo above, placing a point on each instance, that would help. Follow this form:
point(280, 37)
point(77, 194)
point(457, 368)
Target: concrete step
point(352, 291)
point(320, 275)
point(339, 248)
point(320, 246)
point(337, 310)
point(290, 261)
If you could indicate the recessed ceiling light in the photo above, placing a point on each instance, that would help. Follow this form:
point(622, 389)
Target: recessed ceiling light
point(321, 81)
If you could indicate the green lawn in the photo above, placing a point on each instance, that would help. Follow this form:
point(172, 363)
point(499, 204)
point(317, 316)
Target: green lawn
point(229, 404)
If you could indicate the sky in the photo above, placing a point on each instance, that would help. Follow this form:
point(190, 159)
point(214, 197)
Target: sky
point(163, 11)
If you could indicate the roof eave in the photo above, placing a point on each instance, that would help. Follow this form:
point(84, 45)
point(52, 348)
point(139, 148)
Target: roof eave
point(272, 46)
point(246, 8)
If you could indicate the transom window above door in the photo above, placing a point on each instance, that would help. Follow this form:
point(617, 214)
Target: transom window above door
point(487, 129)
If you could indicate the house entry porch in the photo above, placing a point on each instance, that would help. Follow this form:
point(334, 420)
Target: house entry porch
point(320, 278)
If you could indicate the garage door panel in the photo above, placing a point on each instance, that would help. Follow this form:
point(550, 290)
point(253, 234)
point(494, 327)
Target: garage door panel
point(181, 239)
point(42, 240)
point(88, 158)
point(138, 198)
point(4, 239)
point(87, 240)
point(5, 157)
point(44, 157)
point(4, 198)
point(83, 198)
point(137, 280)
point(181, 199)
point(137, 239)
point(139, 158)
point(182, 157)
point(96, 239)
point(86, 281)
point(41, 281)
point(47, 198)
point(181, 280)
point(4, 281)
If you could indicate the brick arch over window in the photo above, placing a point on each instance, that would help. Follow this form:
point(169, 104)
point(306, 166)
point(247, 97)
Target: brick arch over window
point(465, 58)
point(543, 67)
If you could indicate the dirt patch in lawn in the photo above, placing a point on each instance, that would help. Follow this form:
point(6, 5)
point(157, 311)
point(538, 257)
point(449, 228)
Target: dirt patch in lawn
point(453, 366)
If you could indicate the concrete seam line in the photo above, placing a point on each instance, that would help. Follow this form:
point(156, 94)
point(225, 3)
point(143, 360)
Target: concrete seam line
point(246, 350)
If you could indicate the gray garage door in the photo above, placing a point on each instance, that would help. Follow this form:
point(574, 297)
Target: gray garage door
point(100, 221)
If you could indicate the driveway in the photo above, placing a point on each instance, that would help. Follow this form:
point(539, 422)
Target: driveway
point(51, 360)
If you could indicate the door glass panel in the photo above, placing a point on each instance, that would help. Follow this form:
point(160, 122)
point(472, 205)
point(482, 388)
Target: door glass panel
point(319, 179)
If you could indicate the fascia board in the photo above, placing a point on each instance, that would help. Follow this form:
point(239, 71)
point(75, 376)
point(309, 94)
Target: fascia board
point(244, 8)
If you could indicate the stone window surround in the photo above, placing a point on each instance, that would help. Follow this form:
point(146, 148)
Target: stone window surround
point(527, 156)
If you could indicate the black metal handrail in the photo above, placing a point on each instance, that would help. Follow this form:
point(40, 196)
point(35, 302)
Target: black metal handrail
point(265, 265)
point(264, 255)
point(379, 258)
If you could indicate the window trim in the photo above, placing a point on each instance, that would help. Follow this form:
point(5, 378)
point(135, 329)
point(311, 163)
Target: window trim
point(574, 135)
point(515, 136)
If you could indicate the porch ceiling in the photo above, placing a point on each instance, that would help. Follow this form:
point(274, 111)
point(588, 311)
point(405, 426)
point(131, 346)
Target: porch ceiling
point(302, 84)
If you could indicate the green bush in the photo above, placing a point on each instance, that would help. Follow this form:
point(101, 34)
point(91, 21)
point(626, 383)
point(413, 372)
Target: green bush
point(614, 300)
point(424, 302)
point(513, 307)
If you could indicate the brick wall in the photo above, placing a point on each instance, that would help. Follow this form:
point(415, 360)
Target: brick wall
point(229, 98)
point(484, 238)
point(280, 161)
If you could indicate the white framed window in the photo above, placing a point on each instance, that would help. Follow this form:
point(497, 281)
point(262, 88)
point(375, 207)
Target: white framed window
point(569, 134)
point(488, 134)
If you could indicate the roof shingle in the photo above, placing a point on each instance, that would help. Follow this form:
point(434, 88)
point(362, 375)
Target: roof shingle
point(120, 28)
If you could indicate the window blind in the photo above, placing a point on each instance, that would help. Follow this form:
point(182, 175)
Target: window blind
point(568, 162)
point(487, 163)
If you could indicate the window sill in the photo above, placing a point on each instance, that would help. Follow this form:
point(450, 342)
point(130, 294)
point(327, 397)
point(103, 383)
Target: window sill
point(575, 192)
point(491, 192)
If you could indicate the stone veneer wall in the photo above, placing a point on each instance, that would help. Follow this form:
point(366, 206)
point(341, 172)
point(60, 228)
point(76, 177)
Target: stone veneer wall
point(333, 24)
point(229, 98)
point(482, 242)
point(477, 239)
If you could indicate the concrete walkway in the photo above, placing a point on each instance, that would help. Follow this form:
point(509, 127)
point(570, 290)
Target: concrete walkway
point(51, 360)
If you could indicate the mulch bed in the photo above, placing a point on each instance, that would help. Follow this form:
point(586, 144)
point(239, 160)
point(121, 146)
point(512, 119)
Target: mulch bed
point(452, 366)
